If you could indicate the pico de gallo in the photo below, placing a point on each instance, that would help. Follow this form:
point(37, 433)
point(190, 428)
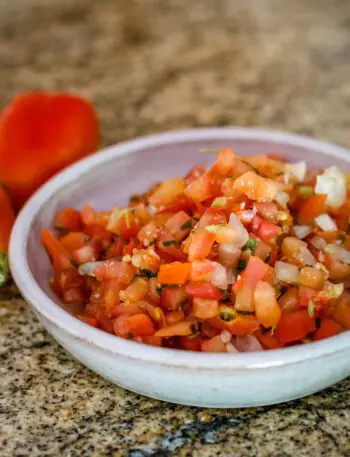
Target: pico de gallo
point(250, 254)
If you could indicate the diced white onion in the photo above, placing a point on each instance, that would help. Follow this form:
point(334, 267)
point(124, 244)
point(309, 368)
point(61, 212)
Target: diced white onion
point(305, 257)
point(282, 198)
point(326, 223)
point(247, 343)
point(338, 253)
point(230, 348)
point(219, 276)
point(89, 267)
point(248, 215)
point(302, 231)
point(225, 336)
point(231, 279)
point(242, 234)
point(318, 242)
point(332, 183)
point(286, 272)
point(295, 172)
point(151, 209)
point(229, 253)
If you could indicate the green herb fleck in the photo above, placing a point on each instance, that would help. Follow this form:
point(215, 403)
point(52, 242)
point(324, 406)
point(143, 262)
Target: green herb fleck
point(159, 290)
point(73, 263)
point(253, 168)
point(268, 257)
point(4, 269)
point(87, 238)
point(341, 238)
point(241, 265)
point(170, 243)
point(251, 244)
point(187, 225)
point(311, 308)
point(130, 336)
point(194, 328)
point(226, 316)
point(305, 191)
point(147, 273)
point(135, 199)
point(244, 313)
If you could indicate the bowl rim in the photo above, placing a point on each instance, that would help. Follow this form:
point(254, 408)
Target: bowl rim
point(63, 321)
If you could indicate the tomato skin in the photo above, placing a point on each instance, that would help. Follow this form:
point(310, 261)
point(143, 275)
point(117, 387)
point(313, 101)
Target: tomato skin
point(203, 290)
point(60, 256)
point(240, 325)
point(295, 326)
point(174, 273)
point(73, 241)
point(40, 134)
point(176, 224)
point(200, 189)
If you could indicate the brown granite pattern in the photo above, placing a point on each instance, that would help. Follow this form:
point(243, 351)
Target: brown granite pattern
point(153, 65)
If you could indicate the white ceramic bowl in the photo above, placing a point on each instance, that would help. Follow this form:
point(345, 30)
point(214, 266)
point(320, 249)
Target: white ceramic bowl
point(200, 379)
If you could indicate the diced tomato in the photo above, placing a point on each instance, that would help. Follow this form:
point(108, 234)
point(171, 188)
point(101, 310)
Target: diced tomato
point(268, 231)
point(268, 210)
point(235, 323)
point(205, 308)
point(73, 296)
point(69, 219)
point(191, 343)
point(256, 222)
point(201, 244)
point(110, 269)
point(88, 215)
point(74, 240)
point(305, 294)
point(311, 208)
point(203, 290)
point(225, 162)
point(253, 273)
point(211, 216)
point(174, 273)
point(202, 270)
point(328, 327)
point(136, 290)
point(87, 253)
point(115, 249)
point(295, 326)
point(173, 317)
point(199, 189)
point(167, 192)
point(141, 325)
point(268, 341)
point(267, 309)
point(256, 187)
point(171, 247)
point(124, 223)
point(59, 255)
point(214, 344)
point(173, 297)
point(179, 225)
point(184, 328)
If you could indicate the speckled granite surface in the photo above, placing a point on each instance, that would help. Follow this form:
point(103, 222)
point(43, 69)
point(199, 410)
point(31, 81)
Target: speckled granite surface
point(150, 66)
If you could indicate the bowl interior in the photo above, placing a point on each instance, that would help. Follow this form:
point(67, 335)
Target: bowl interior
point(112, 176)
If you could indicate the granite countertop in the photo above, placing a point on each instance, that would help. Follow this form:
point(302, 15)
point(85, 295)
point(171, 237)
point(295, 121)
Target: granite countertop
point(149, 66)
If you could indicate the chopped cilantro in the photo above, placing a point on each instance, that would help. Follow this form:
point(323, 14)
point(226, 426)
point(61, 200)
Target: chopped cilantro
point(135, 199)
point(341, 238)
point(170, 243)
point(130, 336)
point(226, 316)
point(73, 263)
point(147, 273)
point(241, 265)
point(187, 225)
point(244, 313)
point(251, 166)
point(87, 238)
point(251, 244)
point(159, 290)
point(4, 269)
point(194, 328)
point(268, 257)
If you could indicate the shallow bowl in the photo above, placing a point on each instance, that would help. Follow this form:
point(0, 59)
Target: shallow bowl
point(201, 379)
